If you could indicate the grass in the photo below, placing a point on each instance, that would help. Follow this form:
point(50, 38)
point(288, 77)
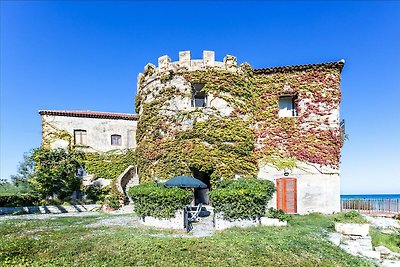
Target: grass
point(68, 242)
point(391, 241)
point(10, 189)
point(350, 217)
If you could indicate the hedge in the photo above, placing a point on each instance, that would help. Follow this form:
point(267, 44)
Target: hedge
point(242, 199)
point(157, 201)
point(18, 200)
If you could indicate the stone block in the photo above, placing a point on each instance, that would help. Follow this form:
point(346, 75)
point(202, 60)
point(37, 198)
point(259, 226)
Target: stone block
point(230, 62)
point(383, 250)
point(163, 63)
point(352, 229)
point(209, 58)
point(335, 238)
point(184, 58)
point(390, 263)
point(272, 222)
point(375, 255)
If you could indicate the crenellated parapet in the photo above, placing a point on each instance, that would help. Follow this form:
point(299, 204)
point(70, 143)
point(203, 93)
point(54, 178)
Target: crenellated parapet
point(185, 64)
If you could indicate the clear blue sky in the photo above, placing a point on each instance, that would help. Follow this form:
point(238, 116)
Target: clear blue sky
point(86, 56)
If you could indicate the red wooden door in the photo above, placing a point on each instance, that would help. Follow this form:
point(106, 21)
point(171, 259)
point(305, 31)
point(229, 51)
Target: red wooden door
point(286, 194)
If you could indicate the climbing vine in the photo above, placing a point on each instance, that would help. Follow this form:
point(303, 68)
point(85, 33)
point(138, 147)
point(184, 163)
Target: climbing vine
point(172, 141)
point(110, 164)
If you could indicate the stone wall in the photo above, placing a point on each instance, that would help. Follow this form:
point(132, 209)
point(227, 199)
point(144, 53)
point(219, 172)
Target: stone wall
point(318, 188)
point(98, 131)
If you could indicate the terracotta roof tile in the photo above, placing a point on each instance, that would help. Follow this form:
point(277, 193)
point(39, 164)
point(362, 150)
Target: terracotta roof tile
point(337, 64)
point(89, 114)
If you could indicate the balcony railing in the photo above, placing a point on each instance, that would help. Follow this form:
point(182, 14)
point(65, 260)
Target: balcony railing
point(371, 206)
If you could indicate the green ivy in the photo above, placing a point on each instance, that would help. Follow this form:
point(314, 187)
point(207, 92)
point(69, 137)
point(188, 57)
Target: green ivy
point(224, 145)
point(108, 165)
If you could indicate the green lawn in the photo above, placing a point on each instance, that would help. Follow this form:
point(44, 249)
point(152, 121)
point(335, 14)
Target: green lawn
point(68, 242)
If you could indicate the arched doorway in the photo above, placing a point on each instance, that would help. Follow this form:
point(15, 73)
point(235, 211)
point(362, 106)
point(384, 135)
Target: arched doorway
point(201, 195)
point(286, 194)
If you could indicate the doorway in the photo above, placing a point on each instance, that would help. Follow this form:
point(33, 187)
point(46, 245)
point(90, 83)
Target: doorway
point(201, 194)
point(286, 194)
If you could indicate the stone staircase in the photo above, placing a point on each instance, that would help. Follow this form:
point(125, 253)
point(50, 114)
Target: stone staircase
point(132, 182)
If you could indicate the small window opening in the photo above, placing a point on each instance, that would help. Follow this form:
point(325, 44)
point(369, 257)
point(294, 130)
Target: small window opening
point(287, 106)
point(80, 137)
point(199, 97)
point(116, 140)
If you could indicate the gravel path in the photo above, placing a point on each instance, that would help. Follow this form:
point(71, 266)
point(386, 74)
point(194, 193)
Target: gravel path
point(48, 215)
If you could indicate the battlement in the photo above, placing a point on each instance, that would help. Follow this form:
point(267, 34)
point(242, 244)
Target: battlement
point(186, 63)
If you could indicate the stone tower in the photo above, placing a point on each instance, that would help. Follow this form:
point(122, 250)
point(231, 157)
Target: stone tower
point(217, 120)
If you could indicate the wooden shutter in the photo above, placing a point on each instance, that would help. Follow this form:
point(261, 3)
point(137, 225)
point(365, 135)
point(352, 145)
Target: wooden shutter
point(286, 194)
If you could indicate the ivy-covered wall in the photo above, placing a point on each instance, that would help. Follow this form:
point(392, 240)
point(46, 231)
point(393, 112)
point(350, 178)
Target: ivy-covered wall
point(173, 138)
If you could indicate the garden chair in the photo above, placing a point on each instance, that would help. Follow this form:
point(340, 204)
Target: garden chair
point(194, 214)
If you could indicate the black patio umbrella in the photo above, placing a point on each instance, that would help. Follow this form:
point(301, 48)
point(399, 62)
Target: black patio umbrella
point(185, 181)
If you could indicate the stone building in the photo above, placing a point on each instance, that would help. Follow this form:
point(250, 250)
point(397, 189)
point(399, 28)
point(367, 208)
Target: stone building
point(219, 120)
point(90, 130)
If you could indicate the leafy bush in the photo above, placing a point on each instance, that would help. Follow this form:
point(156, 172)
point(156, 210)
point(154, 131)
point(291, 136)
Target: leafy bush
point(112, 201)
point(157, 201)
point(277, 214)
point(242, 199)
point(350, 217)
point(55, 172)
point(18, 200)
point(95, 193)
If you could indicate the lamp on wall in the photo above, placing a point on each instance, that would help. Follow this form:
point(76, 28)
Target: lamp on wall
point(286, 174)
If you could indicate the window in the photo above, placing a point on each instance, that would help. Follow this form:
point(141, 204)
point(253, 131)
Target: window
point(199, 97)
point(116, 140)
point(80, 137)
point(287, 106)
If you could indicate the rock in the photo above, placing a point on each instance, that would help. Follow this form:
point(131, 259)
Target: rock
point(335, 238)
point(272, 222)
point(393, 256)
point(376, 255)
point(352, 229)
point(349, 249)
point(390, 263)
point(383, 250)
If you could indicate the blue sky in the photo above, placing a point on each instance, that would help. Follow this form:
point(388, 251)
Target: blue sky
point(86, 56)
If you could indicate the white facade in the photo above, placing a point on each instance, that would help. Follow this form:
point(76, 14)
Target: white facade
point(318, 189)
point(99, 129)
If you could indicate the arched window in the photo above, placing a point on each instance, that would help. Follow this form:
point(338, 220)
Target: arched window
point(116, 140)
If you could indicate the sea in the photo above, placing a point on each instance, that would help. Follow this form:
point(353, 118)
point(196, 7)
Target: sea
point(371, 196)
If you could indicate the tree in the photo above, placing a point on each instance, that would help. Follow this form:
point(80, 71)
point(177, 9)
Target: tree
point(26, 170)
point(55, 172)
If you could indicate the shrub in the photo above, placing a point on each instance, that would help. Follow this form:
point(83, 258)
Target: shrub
point(242, 199)
point(350, 217)
point(157, 201)
point(95, 193)
point(18, 200)
point(112, 201)
point(55, 172)
point(277, 214)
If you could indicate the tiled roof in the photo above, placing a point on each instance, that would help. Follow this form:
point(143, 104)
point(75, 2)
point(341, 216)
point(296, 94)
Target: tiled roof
point(89, 114)
point(337, 64)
